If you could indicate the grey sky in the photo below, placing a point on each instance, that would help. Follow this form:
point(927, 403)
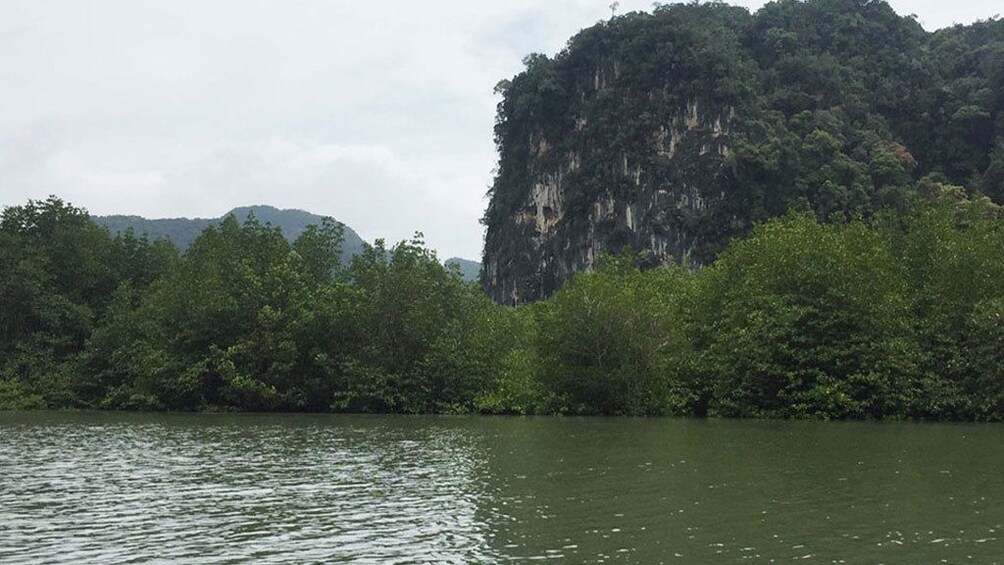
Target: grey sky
point(377, 113)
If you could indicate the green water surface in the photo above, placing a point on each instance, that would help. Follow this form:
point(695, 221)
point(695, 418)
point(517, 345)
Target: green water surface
point(117, 488)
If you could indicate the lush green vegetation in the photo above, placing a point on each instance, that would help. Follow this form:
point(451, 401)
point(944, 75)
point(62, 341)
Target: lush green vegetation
point(898, 315)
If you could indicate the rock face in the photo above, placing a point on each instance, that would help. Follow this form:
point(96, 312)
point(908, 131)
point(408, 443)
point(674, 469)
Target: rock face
point(615, 143)
point(655, 204)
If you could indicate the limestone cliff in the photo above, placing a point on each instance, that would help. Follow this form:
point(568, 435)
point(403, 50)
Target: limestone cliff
point(671, 132)
point(591, 164)
point(660, 202)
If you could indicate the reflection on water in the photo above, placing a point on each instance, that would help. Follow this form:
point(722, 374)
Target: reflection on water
point(108, 488)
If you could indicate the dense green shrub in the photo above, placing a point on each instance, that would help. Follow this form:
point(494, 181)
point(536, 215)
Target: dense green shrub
point(612, 342)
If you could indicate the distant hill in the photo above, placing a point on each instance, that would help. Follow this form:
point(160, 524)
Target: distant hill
point(470, 270)
point(183, 231)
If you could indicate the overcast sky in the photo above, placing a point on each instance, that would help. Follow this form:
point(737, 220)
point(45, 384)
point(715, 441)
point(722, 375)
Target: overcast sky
point(376, 113)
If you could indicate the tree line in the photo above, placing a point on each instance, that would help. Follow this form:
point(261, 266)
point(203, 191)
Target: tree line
point(897, 315)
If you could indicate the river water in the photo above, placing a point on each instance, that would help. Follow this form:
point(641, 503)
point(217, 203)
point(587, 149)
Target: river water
point(127, 488)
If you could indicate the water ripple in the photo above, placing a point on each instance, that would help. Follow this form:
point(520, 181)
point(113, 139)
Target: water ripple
point(237, 492)
point(115, 488)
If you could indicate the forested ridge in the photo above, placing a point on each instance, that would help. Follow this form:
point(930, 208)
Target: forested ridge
point(183, 231)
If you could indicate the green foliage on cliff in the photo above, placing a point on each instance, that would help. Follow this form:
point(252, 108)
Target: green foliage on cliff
point(838, 107)
point(900, 315)
point(608, 92)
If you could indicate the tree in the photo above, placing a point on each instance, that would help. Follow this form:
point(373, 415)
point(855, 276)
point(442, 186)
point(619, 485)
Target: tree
point(805, 319)
point(400, 300)
point(611, 341)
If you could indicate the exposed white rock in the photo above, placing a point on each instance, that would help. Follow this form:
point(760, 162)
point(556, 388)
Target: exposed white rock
point(557, 245)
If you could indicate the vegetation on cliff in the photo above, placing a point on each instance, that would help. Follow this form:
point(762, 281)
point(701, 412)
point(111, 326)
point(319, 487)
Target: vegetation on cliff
point(674, 131)
point(898, 315)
